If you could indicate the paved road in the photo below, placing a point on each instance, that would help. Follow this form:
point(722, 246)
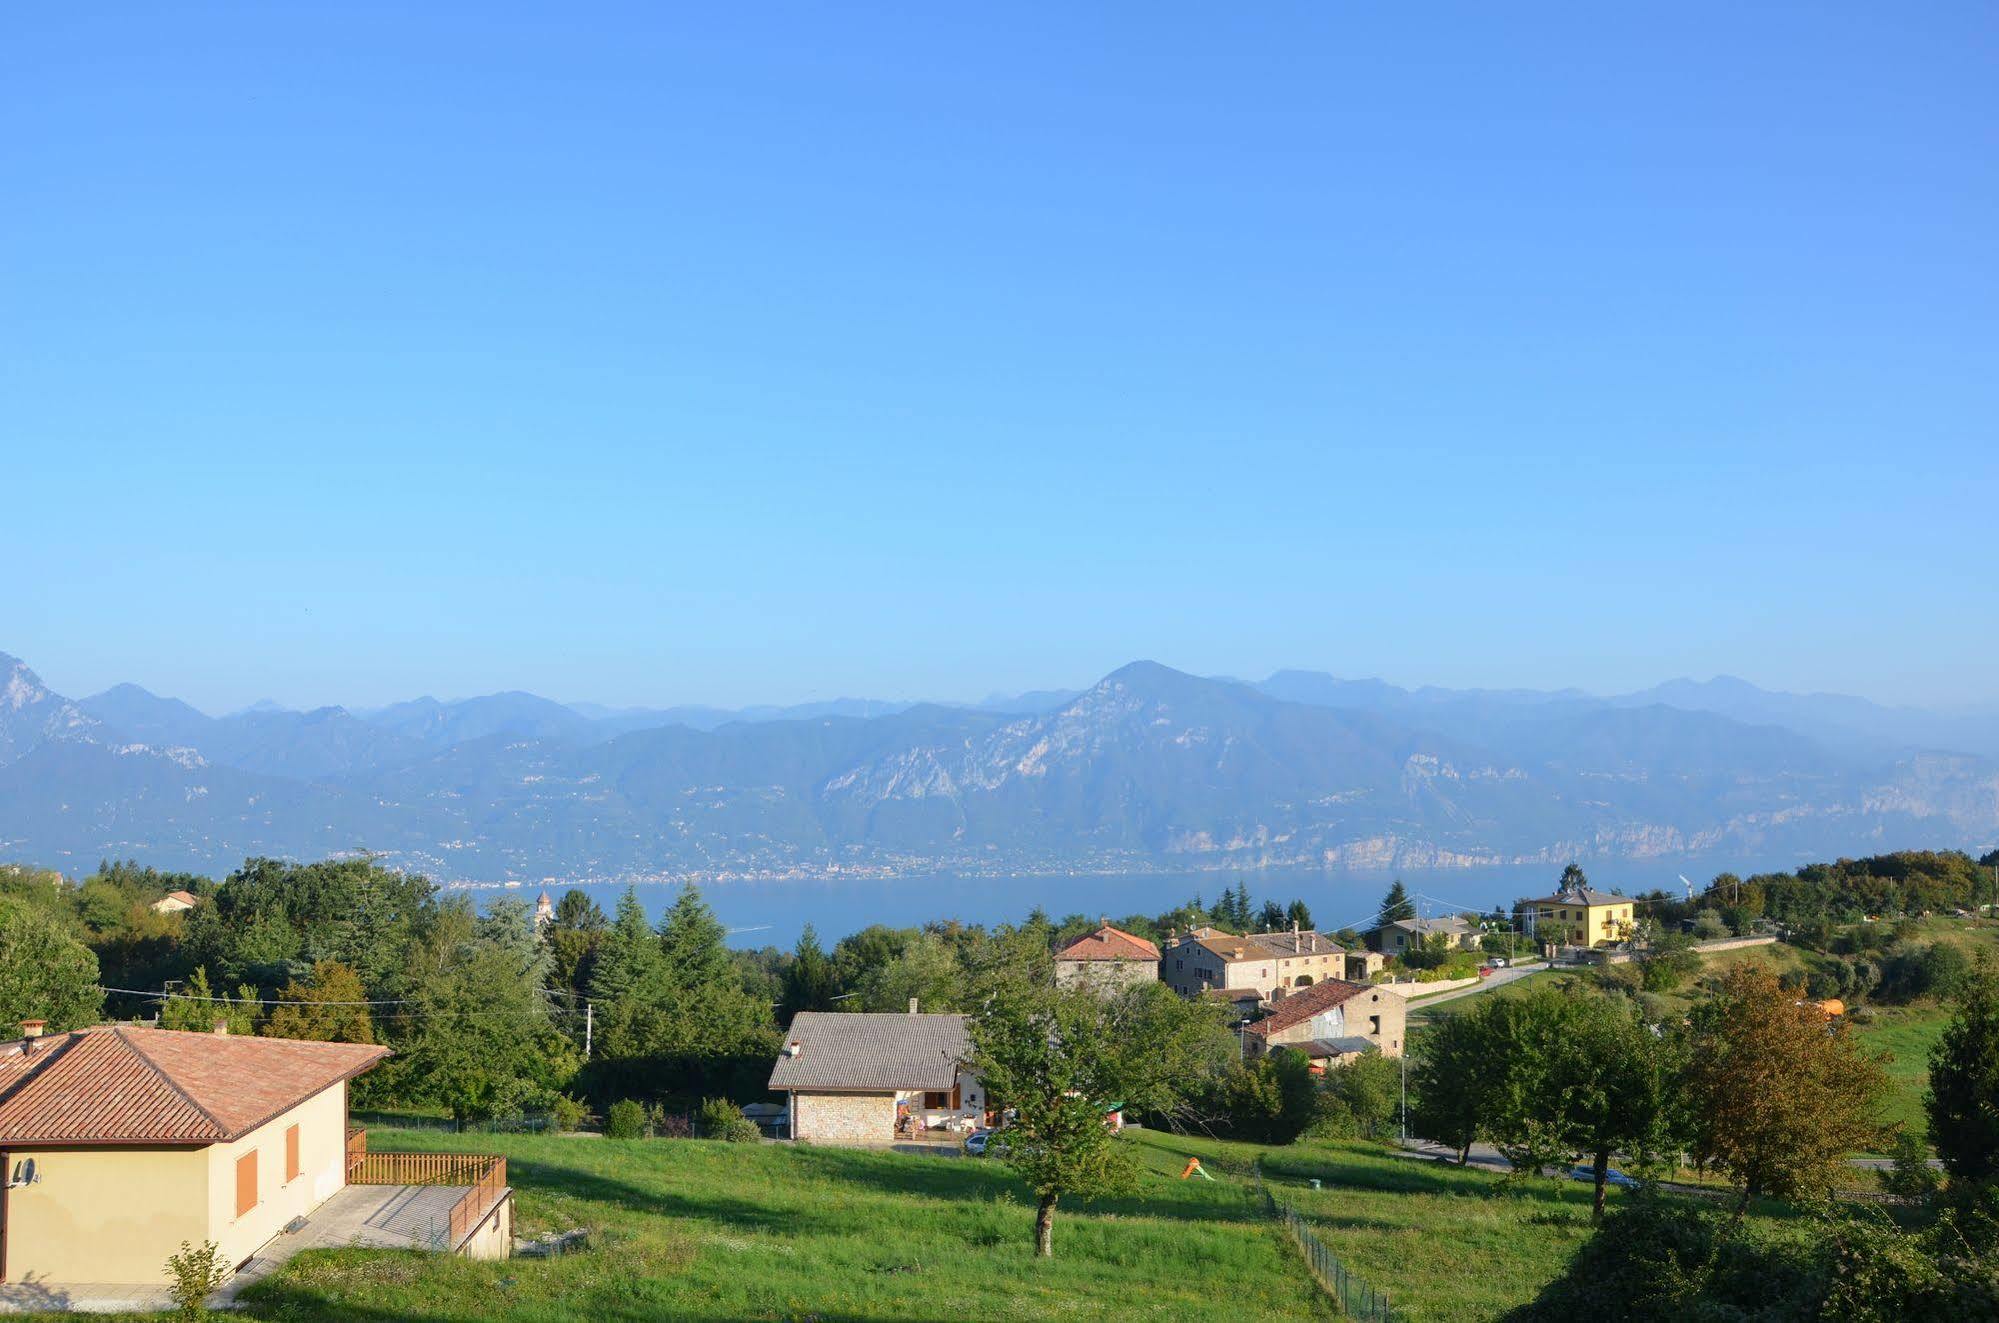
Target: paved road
point(1500, 978)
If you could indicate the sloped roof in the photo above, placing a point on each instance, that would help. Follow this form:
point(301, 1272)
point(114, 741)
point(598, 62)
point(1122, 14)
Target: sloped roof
point(124, 1084)
point(1305, 1003)
point(1108, 943)
point(184, 897)
point(875, 1051)
point(1454, 923)
point(1289, 944)
point(1328, 1048)
point(1581, 896)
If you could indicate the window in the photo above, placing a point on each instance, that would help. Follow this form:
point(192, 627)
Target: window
point(1374, 1025)
point(246, 1182)
point(935, 1101)
point(291, 1153)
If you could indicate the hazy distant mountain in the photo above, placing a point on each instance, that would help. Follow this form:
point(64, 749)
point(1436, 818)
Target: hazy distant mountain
point(1148, 768)
point(30, 714)
point(515, 715)
point(1836, 719)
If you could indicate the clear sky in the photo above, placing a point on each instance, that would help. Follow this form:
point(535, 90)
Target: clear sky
point(731, 353)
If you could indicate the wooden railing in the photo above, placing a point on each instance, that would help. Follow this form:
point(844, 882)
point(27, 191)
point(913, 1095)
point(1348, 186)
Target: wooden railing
point(471, 1209)
point(357, 1149)
point(422, 1168)
point(483, 1174)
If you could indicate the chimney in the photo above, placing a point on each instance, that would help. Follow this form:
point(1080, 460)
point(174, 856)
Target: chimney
point(912, 1005)
point(221, 1028)
point(794, 1048)
point(30, 1031)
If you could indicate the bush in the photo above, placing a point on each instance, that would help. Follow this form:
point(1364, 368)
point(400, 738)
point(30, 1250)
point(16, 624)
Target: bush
point(1708, 924)
point(1912, 1176)
point(625, 1120)
point(196, 1273)
point(566, 1113)
point(722, 1119)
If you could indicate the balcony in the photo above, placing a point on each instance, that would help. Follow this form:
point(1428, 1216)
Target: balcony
point(434, 1201)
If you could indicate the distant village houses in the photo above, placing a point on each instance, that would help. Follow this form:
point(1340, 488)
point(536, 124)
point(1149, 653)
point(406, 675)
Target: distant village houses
point(1106, 958)
point(1271, 965)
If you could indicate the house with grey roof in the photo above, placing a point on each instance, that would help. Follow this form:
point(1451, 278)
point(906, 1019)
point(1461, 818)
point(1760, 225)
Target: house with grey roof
point(859, 1078)
point(1408, 934)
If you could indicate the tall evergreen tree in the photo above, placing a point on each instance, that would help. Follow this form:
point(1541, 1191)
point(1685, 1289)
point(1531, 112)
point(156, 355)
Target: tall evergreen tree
point(1963, 1099)
point(628, 954)
point(1298, 915)
point(809, 984)
point(1271, 918)
point(1396, 905)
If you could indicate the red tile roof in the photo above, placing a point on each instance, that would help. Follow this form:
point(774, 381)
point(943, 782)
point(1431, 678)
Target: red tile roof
point(1108, 943)
point(123, 1084)
point(1305, 1003)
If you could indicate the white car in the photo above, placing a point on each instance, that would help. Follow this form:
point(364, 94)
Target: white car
point(979, 1143)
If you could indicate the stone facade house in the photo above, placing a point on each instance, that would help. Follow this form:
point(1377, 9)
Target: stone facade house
point(1332, 1020)
point(1408, 934)
point(118, 1143)
point(874, 1078)
point(1108, 958)
point(1272, 963)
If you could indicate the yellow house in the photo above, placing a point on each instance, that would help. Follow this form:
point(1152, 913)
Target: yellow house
point(1579, 916)
point(118, 1143)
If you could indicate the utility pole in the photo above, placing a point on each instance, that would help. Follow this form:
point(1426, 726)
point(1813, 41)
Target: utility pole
point(1405, 1089)
point(589, 1023)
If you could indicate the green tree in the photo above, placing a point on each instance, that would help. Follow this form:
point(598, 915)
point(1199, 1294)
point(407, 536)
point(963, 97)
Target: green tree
point(809, 984)
point(1615, 1086)
point(1298, 915)
point(1051, 1054)
point(1368, 1091)
point(572, 936)
point(627, 955)
point(1271, 918)
point(196, 1008)
point(1395, 906)
point(1573, 878)
point(1778, 1097)
point(1962, 1102)
point(45, 972)
point(328, 1008)
point(1451, 1077)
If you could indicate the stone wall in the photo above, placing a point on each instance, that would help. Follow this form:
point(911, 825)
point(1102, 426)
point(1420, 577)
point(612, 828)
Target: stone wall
point(843, 1118)
point(1105, 975)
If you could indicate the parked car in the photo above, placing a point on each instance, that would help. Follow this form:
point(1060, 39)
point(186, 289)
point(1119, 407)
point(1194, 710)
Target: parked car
point(981, 1142)
point(1497, 962)
point(1611, 1176)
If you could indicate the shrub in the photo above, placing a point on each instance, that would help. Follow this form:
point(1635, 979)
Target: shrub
point(722, 1119)
point(625, 1120)
point(662, 1124)
point(196, 1273)
point(1911, 1176)
point(567, 1113)
point(1709, 924)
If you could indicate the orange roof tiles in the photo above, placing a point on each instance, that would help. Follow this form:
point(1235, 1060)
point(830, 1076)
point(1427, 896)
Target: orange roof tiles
point(123, 1084)
point(1108, 943)
point(1305, 1003)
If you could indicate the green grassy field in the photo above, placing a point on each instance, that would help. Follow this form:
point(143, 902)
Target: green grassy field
point(688, 1229)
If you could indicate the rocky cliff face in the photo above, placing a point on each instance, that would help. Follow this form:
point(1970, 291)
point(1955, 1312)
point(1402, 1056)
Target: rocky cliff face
point(1150, 768)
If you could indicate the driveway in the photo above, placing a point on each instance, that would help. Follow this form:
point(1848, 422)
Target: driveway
point(1500, 978)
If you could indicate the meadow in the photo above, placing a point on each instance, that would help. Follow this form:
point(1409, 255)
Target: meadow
point(690, 1229)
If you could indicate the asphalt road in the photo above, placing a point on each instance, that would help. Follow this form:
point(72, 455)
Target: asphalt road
point(1500, 978)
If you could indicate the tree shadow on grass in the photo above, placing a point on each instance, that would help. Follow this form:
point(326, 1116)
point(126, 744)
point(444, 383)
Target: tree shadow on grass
point(744, 1214)
point(276, 1301)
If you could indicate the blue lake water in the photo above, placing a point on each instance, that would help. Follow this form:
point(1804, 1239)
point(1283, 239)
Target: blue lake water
point(773, 913)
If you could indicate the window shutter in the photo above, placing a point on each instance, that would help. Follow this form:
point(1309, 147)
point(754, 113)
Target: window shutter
point(246, 1182)
point(291, 1153)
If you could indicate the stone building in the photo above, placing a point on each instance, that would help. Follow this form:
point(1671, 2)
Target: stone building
point(860, 1078)
point(1107, 958)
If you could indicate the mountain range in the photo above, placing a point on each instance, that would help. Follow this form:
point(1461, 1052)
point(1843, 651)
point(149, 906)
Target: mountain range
point(1148, 769)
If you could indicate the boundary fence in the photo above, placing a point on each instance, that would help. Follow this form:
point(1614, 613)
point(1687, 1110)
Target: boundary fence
point(1354, 1298)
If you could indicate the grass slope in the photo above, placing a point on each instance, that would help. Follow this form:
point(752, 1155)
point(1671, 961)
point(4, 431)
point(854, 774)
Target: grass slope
point(696, 1230)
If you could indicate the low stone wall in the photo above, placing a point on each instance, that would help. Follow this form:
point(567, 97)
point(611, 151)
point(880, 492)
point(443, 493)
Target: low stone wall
point(1415, 989)
point(1732, 943)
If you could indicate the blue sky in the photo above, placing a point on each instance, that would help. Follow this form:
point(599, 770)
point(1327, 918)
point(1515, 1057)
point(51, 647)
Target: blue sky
point(764, 353)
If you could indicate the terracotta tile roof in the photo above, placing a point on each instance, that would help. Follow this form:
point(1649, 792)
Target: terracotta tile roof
point(1108, 943)
point(124, 1084)
point(875, 1051)
point(184, 897)
point(1305, 1003)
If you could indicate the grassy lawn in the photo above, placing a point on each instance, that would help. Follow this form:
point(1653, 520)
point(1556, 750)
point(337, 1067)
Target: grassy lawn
point(689, 1229)
point(1906, 1034)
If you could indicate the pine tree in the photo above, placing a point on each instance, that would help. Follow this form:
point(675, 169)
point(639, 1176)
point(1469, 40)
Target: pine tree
point(1963, 1099)
point(809, 984)
point(1298, 915)
point(1396, 905)
point(628, 954)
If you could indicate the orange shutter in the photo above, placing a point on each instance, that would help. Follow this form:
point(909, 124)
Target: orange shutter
point(291, 1153)
point(246, 1182)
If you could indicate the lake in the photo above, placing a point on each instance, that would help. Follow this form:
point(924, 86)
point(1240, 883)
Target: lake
point(773, 913)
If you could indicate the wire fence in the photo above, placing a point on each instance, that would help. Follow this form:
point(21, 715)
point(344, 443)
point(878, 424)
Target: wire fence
point(1355, 1298)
